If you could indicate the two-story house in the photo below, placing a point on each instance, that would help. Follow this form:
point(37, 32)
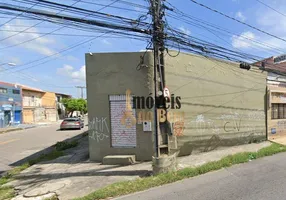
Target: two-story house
point(60, 107)
point(32, 105)
point(10, 104)
point(49, 104)
point(39, 105)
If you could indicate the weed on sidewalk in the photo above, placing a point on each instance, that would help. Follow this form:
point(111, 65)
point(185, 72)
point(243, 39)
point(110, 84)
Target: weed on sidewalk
point(140, 184)
point(8, 192)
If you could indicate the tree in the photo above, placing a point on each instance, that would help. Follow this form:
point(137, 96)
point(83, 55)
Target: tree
point(72, 105)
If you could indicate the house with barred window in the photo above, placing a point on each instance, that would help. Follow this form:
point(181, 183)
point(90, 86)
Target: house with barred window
point(10, 104)
point(276, 96)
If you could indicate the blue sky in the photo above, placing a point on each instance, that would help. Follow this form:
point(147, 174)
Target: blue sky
point(61, 73)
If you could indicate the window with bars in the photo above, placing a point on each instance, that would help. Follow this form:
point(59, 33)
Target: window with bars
point(3, 90)
point(16, 91)
point(278, 111)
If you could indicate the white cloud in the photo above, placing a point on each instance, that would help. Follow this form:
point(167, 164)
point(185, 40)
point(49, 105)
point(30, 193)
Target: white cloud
point(240, 16)
point(105, 41)
point(71, 58)
point(185, 30)
point(40, 45)
point(243, 41)
point(69, 71)
point(272, 21)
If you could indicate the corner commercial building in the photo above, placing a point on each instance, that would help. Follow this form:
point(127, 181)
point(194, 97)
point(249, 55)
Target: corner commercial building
point(10, 104)
point(223, 105)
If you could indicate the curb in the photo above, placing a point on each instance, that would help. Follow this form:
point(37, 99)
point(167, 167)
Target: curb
point(16, 129)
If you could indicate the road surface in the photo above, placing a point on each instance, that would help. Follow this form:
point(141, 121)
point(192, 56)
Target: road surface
point(261, 179)
point(18, 145)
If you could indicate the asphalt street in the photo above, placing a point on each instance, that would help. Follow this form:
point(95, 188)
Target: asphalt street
point(261, 179)
point(18, 145)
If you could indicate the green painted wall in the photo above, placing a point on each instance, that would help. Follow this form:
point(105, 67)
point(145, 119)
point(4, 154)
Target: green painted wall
point(223, 104)
point(112, 74)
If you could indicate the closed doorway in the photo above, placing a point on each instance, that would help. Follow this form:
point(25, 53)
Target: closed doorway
point(18, 116)
point(7, 117)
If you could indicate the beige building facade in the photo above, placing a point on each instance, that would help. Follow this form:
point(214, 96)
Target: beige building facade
point(276, 109)
point(222, 104)
point(32, 105)
point(38, 106)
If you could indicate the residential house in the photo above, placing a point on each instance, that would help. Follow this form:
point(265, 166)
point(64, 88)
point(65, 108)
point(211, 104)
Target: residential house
point(49, 102)
point(276, 96)
point(10, 104)
point(39, 105)
point(33, 110)
point(221, 104)
point(60, 107)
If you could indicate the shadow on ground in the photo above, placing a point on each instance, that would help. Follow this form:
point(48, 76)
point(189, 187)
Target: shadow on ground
point(73, 175)
point(44, 151)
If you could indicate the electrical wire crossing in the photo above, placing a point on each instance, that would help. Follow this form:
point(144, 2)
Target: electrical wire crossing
point(239, 21)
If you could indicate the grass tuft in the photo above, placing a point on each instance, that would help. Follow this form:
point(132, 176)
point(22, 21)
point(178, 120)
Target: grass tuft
point(52, 198)
point(61, 146)
point(6, 193)
point(140, 184)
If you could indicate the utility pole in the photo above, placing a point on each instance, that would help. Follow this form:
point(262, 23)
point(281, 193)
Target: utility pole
point(158, 48)
point(81, 89)
point(161, 128)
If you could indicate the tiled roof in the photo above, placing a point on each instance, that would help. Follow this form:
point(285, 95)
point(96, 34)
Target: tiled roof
point(270, 64)
point(24, 87)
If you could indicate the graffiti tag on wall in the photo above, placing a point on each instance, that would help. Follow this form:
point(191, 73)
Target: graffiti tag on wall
point(233, 122)
point(98, 129)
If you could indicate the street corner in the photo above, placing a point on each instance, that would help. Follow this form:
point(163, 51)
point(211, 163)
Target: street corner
point(44, 191)
point(49, 195)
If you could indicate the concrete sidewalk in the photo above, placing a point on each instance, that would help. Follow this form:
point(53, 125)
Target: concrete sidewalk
point(27, 126)
point(74, 176)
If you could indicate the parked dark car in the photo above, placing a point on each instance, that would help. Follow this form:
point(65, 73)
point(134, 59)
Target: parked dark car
point(72, 123)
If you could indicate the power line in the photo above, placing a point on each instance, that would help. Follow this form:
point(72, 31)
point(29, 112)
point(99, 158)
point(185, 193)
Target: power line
point(58, 53)
point(49, 33)
point(77, 20)
point(57, 34)
point(271, 8)
point(31, 26)
point(64, 49)
point(210, 27)
point(116, 7)
point(241, 22)
point(18, 15)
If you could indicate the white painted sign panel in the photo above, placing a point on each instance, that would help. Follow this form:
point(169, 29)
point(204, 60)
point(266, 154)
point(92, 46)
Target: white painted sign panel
point(280, 59)
point(166, 92)
point(122, 134)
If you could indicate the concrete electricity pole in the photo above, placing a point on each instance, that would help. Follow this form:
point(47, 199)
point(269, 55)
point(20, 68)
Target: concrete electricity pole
point(161, 127)
point(81, 89)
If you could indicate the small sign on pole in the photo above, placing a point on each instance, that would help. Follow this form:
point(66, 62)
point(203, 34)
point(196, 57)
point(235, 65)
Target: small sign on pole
point(166, 92)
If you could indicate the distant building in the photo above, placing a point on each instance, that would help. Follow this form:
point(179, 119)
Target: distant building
point(32, 105)
point(61, 110)
point(10, 104)
point(40, 106)
point(24, 104)
point(49, 102)
point(276, 96)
